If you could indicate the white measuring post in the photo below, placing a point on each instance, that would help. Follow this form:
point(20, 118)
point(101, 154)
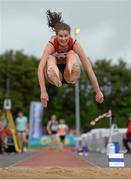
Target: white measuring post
point(110, 145)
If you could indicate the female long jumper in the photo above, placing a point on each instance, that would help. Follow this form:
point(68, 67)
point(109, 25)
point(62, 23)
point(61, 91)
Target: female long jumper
point(59, 60)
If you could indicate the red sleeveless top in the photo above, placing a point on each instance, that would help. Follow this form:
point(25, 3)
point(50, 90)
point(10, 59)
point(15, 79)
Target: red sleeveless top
point(56, 44)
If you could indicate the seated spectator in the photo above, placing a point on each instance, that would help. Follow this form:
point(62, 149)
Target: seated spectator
point(5, 135)
point(1, 137)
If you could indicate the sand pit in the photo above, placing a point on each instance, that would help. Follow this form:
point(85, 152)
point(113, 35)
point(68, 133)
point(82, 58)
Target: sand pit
point(65, 173)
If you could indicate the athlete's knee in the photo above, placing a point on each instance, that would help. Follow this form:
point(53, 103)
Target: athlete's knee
point(51, 59)
point(71, 53)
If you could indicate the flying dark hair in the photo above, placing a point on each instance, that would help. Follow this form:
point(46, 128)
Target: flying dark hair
point(55, 22)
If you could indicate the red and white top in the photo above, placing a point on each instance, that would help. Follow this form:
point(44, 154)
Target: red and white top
point(58, 53)
point(62, 129)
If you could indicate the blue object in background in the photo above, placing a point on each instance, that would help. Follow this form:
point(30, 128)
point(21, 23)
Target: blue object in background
point(117, 147)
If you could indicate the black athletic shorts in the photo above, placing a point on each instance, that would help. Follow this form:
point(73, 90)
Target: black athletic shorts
point(53, 132)
point(62, 139)
point(61, 67)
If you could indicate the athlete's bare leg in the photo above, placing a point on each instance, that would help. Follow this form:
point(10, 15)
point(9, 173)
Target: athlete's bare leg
point(72, 71)
point(52, 73)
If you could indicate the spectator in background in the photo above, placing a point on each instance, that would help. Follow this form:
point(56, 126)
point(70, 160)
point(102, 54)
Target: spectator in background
point(2, 137)
point(5, 134)
point(127, 138)
point(52, 128)
point(45, 132)
point(22, 129)
point(73, 131)
point(62, 131)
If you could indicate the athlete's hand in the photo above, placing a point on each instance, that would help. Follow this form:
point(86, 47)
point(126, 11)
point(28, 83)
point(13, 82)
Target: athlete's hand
point(44, 98)
point(99, 97)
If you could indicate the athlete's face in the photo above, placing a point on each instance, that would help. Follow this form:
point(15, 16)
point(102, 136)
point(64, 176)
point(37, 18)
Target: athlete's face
point(20, 114)
point(63, 37)
point(53, 117)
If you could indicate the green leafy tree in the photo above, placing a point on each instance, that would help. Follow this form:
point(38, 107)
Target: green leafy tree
point(19, 81)
point(20, 71)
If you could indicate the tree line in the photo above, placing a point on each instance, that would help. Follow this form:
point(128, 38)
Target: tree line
point(19, 81)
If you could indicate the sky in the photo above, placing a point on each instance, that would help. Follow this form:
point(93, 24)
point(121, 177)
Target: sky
point(105, 26)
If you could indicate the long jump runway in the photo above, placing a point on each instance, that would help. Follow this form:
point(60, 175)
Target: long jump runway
point(56, 158)
point(55, 164)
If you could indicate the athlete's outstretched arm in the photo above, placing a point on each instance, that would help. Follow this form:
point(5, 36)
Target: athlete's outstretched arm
point(86, 63)
point(48, 127)
point(44, 95)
